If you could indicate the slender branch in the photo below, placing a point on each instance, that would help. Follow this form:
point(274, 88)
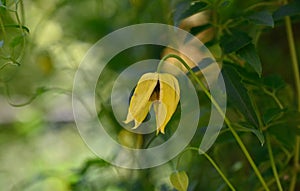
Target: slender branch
point(273, 95)
point(150, 141)
point(22, 51)
point(17, 17)
point(39, 91)
point(2, 28)
point(272, 180)
point(228, 123)
point(273, 163)
point(211, 161)
point(295, 65)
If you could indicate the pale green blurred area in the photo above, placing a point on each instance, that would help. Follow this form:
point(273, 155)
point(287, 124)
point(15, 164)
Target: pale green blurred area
point(39, 142)
point(40, 147)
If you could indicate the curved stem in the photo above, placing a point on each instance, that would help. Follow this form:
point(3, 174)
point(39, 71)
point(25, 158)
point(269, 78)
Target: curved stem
point(39, 91)
point(273, 163)
point(228, 123)
point(211, 161)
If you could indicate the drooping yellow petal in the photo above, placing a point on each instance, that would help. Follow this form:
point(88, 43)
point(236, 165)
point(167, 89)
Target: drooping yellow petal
point(169, 95)
point(140, 101)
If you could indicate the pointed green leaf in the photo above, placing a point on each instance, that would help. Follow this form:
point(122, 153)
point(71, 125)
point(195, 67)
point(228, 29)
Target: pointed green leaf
point(17, 26)
point(179, 180)
point(238, 94)
point(285, 134)
point(92, 163)
point(226, 3)
point(274, 82)
point(290, 9)
point(234, 42)
point(262, 18)
point(285, 128)
point(198, 29)
point(290, 118)
point(187, 9)
point(249, 54)
point(246, 127)
point(272, 114)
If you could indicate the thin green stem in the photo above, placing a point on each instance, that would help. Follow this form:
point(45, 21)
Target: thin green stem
point(248, 156)
point(22, 51)
point(277, 101)
point(2, 27)
point(272, 180)
point(293, 53)
point(228, 123)
point(211, 161)
point(290, 37)
point(22, 12)
point(17, 16)
point(273, 163)
point(273, 95)
point(150, 141)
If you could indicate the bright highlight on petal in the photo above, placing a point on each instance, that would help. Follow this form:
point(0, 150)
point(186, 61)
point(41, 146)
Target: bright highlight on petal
point(158, 89)
point(169, 98)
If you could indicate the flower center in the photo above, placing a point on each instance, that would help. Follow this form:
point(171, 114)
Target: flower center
point(155, 94)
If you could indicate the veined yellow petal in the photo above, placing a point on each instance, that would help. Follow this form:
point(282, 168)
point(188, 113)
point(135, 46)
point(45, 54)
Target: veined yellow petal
point(139, 116)
point(140, 101)
point(168, 100)
point(160, 114)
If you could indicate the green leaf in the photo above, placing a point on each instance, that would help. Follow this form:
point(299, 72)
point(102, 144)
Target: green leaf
point(262, 18)
point(90, 163)
point(272, 114)
point(2, 3)
point(274, 82)
point(41, 90)
point(285, 128)
point(290, 118)
point(17, 26)
point(16, 41)
point(198, 29)
point(285, 134)
point(226, 3)
point(186, 9)
point(249, 54)
point(246, 127)
point(238, 94)
point(179, 180)
point(290, 9)
point(234, 42)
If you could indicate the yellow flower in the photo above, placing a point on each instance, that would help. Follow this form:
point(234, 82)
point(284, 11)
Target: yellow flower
point(158, 89)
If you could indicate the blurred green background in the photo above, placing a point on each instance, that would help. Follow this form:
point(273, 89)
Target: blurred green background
point(40, 147)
